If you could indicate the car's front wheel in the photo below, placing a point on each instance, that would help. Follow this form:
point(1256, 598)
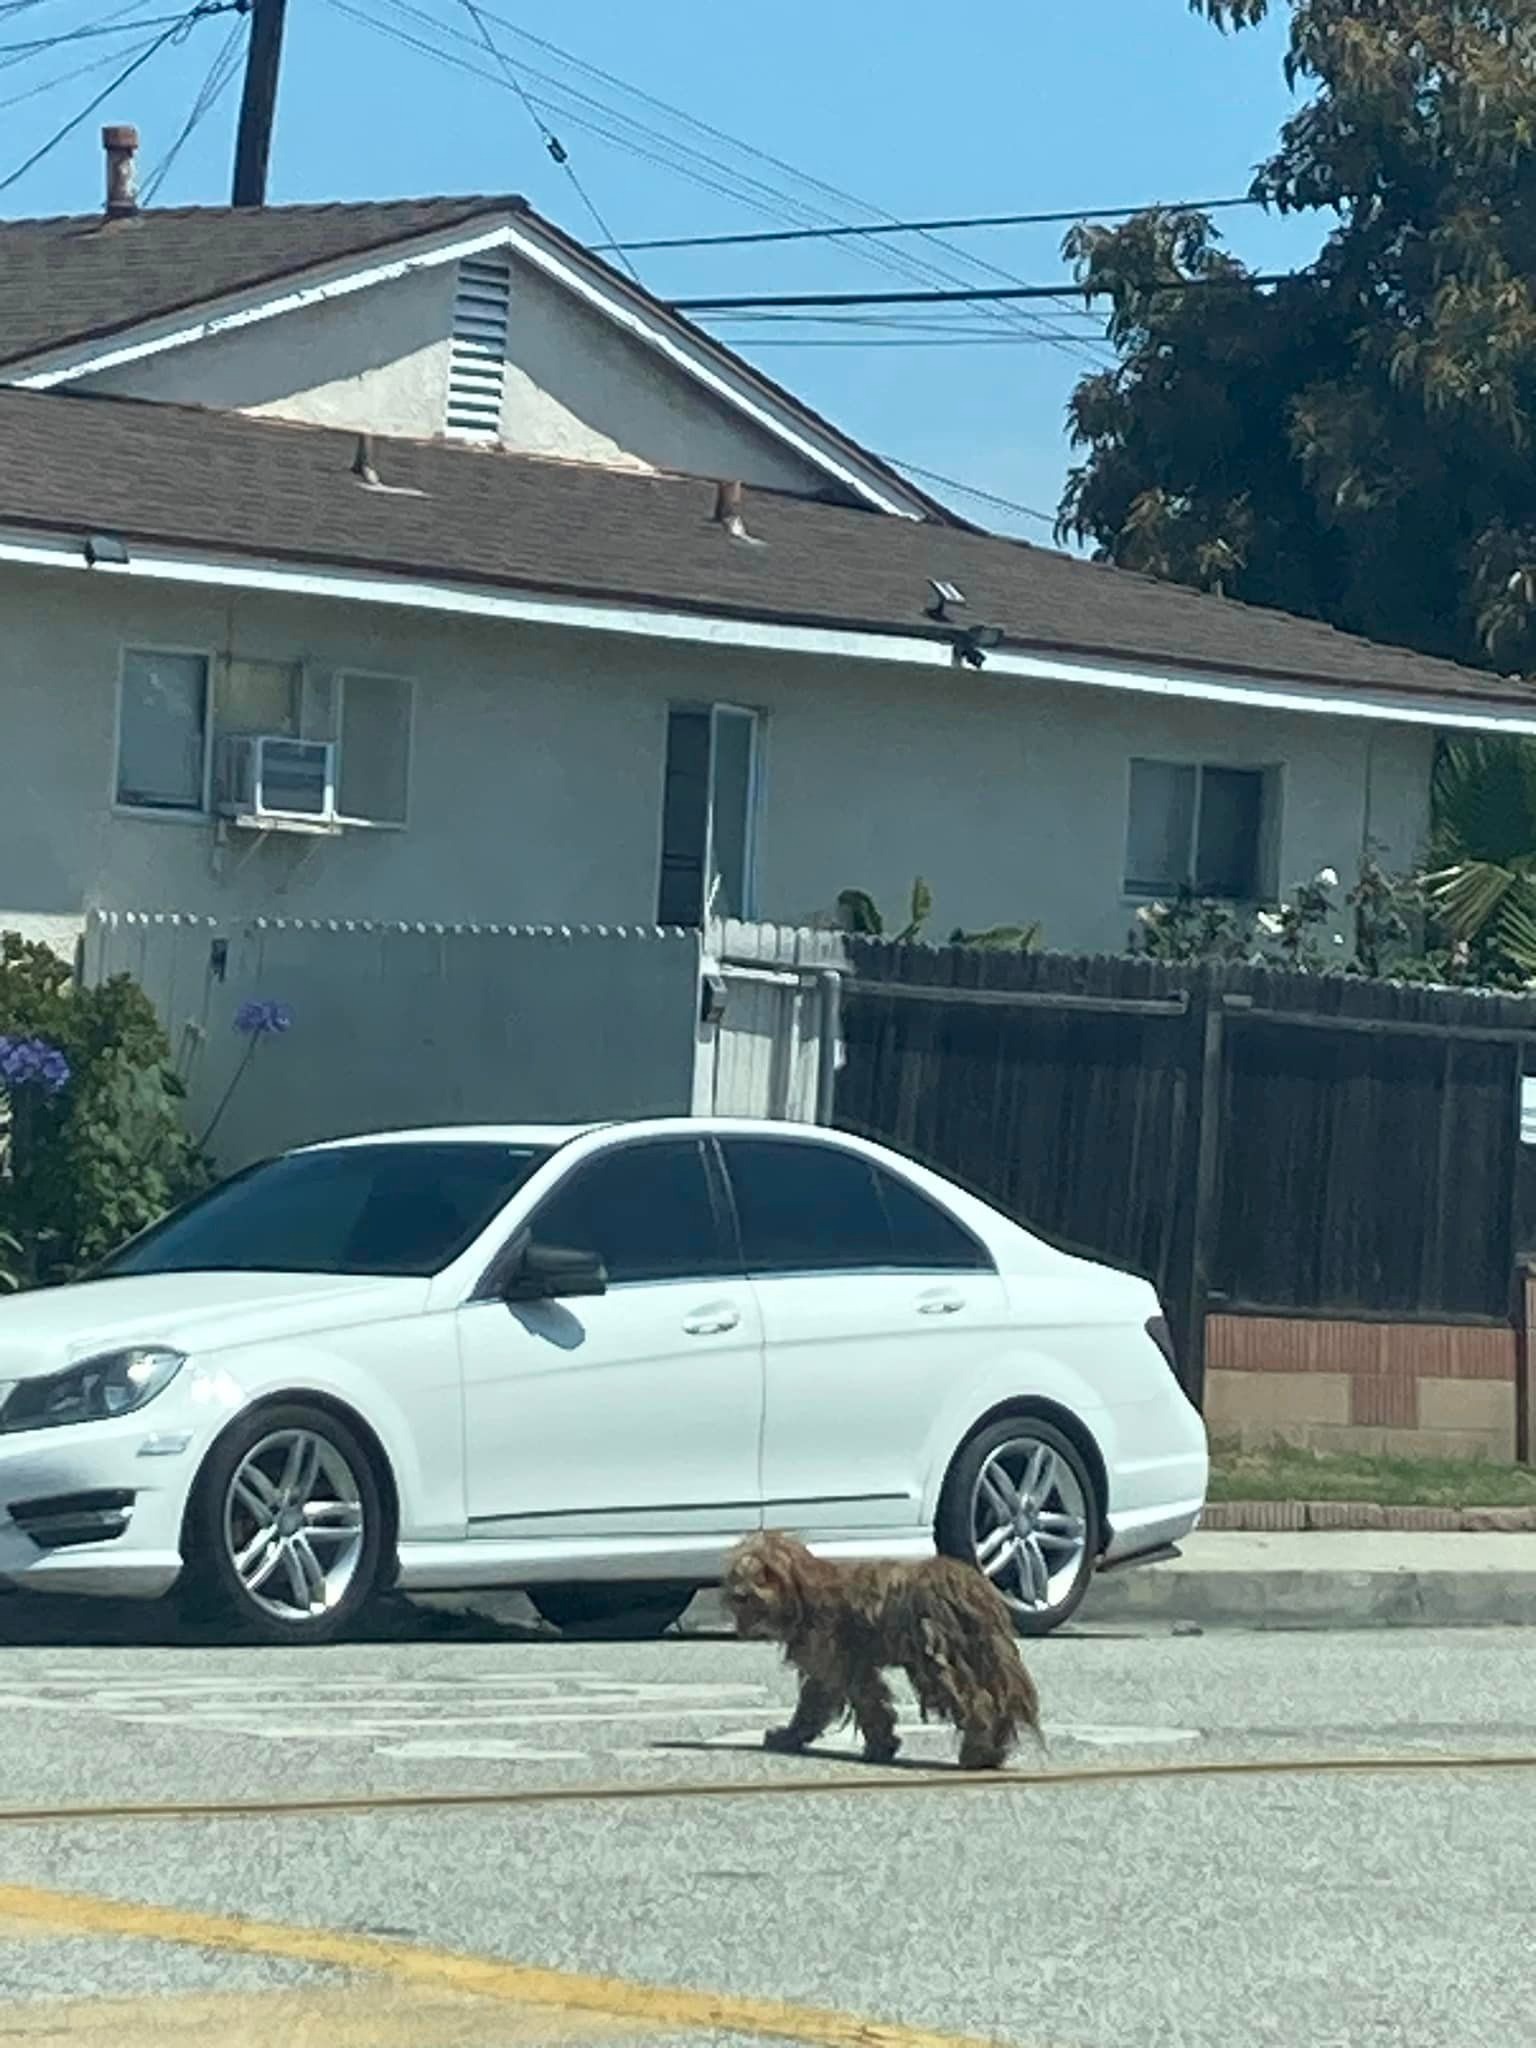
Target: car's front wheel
point(633, 1612)
point(1020, 1504)
point(285, 1532)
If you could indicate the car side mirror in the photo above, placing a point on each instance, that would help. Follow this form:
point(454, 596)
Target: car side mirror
point(552, 1272)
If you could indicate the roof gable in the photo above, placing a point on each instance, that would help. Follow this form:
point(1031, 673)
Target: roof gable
point(94, 293)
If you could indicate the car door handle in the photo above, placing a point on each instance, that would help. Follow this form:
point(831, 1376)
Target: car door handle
point(939, 1304)
point(713, 1321)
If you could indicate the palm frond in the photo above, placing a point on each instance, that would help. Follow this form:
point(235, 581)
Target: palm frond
point(1484, 801)
point(1515, 928)
point(1467, 896)
point(859, 913)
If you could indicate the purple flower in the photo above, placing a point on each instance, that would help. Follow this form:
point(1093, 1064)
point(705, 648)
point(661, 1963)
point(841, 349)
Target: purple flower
point(258, 1019)
point(32, 1063)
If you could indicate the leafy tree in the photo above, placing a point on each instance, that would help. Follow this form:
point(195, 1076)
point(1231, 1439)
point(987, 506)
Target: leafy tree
point(1357, 442)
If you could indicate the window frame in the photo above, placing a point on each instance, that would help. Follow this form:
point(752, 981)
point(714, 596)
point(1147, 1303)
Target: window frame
point(723, 1211)
point(179, 813)
point(1271, 798)
point(713, 708)
point(339, 674)
point(888, 1269)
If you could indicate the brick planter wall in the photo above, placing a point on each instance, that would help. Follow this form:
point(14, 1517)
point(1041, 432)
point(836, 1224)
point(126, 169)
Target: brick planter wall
point(1414, 1389)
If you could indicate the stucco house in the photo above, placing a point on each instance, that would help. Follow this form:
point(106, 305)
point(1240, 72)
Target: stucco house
point(408, 561)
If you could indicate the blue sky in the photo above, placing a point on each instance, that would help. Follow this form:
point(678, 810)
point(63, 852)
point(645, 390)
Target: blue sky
point(981, 106)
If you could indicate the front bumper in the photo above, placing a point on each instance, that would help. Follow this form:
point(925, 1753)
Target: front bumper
point(97, 1507)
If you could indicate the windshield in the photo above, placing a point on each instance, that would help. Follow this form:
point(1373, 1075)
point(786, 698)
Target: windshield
point(365, 1209)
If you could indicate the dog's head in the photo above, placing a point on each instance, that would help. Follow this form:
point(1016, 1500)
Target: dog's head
point(766, 1586)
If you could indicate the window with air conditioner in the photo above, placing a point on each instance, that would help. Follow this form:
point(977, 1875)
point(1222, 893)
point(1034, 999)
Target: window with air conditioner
point(709, 814)
point(268, 763)
point(269, 741)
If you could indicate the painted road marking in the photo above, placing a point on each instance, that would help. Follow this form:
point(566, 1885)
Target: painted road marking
point(474, 1717)
point(357, 2016)
point(567, 1992)
point(471, 1717)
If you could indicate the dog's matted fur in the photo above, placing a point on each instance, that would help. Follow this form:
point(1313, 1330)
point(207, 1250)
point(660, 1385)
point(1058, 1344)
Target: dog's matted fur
point(944, 1623)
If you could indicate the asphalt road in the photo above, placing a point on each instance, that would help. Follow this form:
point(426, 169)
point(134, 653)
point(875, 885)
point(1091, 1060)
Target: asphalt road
point(1169, 1910)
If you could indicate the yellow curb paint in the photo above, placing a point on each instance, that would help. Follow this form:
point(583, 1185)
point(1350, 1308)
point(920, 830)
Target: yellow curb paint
point(654, 2006)
point(355, 2017)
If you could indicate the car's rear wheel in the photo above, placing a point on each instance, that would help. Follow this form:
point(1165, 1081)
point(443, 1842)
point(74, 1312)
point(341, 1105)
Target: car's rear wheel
point(634, 1612)
point(285, 1532)
point(1020, 1504)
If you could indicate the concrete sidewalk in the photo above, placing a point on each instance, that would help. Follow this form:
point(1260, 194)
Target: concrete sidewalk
point(1335, 1580)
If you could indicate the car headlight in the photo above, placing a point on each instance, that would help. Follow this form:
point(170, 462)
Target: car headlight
point(93, 1390)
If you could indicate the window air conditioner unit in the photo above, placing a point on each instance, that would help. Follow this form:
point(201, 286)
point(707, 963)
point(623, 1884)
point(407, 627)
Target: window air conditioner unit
point(270, 781)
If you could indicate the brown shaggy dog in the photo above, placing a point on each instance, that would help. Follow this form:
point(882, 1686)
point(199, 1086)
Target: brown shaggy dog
point(943, 1623)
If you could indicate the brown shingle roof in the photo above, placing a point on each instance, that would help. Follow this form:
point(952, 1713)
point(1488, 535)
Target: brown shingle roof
point(78, 277)
point(226, 484)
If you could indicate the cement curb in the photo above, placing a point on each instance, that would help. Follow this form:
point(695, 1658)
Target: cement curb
point(1293, 1516)
point(1157, 1596)
point(1289, 1579)
point(1153, 1595)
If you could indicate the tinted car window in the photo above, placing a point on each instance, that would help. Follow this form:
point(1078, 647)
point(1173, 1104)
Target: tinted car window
point(386, 1208)
point(647, 1211)
point(806, 1208)
point(924, 1239)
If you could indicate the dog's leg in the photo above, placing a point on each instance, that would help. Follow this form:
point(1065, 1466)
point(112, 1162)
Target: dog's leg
point(875, 1713)
point(818, 1705)
point(985, 1742)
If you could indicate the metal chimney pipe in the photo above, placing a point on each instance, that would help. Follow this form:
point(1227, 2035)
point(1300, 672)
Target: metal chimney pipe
point(122, 147)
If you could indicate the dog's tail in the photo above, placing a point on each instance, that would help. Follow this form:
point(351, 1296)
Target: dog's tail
point(965, 1627)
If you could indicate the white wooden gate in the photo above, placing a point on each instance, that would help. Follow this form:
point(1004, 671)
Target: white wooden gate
point(772, 1048)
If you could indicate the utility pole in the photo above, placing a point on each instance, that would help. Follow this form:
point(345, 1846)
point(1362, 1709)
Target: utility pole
point(258, 102)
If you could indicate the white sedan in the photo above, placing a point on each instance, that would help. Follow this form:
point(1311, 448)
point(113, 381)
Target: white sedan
point(583, 1362)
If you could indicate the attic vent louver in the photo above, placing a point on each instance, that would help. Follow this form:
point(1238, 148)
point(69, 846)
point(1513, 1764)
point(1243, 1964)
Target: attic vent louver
point(477, 361)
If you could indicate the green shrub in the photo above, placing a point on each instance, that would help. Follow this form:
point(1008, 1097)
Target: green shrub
point(92, 1144)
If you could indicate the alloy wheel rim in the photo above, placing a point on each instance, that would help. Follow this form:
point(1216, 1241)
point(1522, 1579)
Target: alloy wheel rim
point(1029, 1524)
point(294, 1525)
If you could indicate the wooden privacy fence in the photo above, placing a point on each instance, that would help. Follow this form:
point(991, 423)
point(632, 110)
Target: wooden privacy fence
point(1323, 1176)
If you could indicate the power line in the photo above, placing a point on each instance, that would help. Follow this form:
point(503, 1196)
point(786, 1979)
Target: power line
point(552, 143)
point(987, 338)
point(179, 27)
point(43, 85)
point(103, 28)
point(983, 295)
point(844, 198)
point(217, 80)
point(928, 227)
point(953, 483)
point(708, 169)
point(902, 320)
point(108, 24)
